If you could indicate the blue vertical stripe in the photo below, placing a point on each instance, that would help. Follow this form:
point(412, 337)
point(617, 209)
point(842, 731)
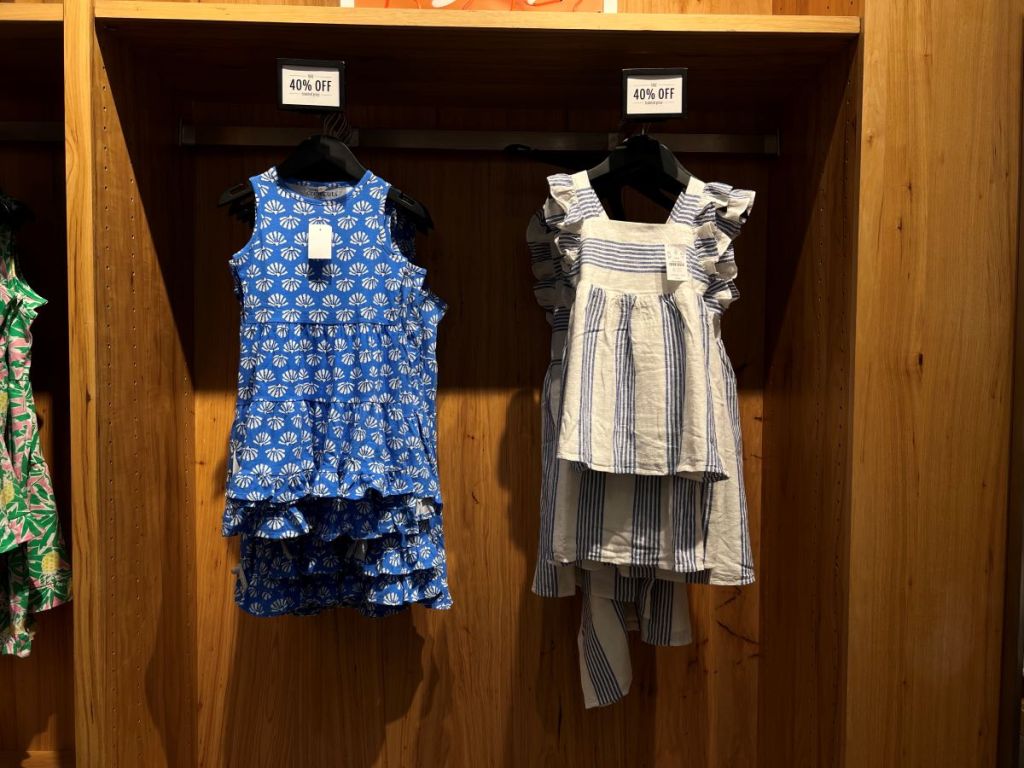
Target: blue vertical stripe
point(646, 543)
point(590, 516)
point(591, 326)
point(675, 379)
point(686, 501)
point(659, 628)
point(624, 428)
point(546, 573)
point(713, 467)
point(709, 498)
point(595, 658)
point(732, 399)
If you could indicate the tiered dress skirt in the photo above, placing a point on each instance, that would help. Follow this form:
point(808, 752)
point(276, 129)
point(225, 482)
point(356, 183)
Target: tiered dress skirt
point(642, 486)
point(333, 483)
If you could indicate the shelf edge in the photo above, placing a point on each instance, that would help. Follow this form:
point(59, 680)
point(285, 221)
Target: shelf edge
point(245, 13)
point(32, 12)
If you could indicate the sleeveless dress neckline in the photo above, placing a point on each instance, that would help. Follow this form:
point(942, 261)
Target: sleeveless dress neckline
point(581, 181)
point(352, 188)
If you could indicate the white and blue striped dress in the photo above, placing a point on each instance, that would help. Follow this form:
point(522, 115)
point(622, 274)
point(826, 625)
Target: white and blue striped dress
point(642, 489)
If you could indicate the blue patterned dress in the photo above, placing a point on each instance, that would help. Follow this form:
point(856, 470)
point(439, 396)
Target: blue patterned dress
point(332, 478)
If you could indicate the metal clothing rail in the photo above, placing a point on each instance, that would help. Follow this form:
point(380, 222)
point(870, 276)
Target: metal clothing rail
point(31, 132)
point(495, 141)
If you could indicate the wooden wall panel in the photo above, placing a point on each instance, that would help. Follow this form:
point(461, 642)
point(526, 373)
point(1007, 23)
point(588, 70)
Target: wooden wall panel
point(89, 638)
point(812, 221)
point(495, 680)
point(135, 646)
point(1011, 705)
point(934, 323)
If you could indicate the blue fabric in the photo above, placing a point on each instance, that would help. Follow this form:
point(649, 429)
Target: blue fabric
point(332, 478)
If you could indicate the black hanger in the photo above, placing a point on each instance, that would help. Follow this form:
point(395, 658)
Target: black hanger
point(14, 213)
point(644, 163)
point(626, 164)
point(322, 158)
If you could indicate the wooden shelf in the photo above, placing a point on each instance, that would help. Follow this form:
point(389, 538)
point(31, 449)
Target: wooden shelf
point(707, 24)
point(518, 60)
point(32, 12)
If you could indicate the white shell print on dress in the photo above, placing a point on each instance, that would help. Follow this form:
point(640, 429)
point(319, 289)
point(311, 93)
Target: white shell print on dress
point(332, 446)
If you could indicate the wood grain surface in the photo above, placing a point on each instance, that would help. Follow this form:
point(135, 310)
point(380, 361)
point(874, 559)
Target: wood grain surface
point(712, 23)
point(933, 340)
point(91, 708)
point(1011, 696)
point(874, 358)
point(423, 689)
point(494, 681)
point(819, 7)
point(134, 641)
point(37, 758)
point(32, 11)
point(807, 429)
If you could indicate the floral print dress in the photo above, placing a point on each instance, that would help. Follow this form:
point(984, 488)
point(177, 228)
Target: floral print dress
point(332, 470)
point(35, 574)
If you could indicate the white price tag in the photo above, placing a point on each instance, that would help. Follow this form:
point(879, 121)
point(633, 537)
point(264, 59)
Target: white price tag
point(675, 263)
point(311, 85)
point(320, 237)
point(654, 93)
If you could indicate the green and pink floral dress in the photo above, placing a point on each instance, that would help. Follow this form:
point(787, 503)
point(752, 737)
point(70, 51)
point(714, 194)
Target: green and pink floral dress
point(34, 571)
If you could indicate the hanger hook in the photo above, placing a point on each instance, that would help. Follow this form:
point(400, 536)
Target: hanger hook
point(336, 125)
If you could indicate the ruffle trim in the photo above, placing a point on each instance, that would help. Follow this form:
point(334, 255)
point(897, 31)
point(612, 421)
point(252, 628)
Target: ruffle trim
point(552, 579)
point(721, 213)
point(373, 597)
point(289, 450)
point(17, 642)
point(732, 209)
point(328, 519)
point(569, 204)
point(565, 210)
point(395, 554)
point(551, 287)
point(713, 239)
point(352, 483)
point(51, 590)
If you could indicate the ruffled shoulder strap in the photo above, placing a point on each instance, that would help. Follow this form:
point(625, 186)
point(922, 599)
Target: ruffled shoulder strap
point(545, 261)
point(731, 210)
point(722, 212)
point(572, 200)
